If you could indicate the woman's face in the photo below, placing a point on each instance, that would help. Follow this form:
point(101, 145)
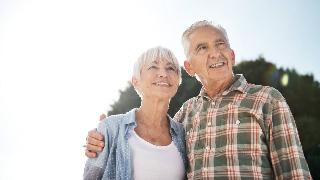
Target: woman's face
point(158, 79)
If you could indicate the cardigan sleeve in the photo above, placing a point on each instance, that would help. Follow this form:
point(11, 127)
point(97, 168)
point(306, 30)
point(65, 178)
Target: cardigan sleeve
point(95, 167)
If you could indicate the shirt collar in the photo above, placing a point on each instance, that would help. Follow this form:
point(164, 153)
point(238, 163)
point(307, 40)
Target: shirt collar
point(239, 84)
point(130, 121)
point(130, 118)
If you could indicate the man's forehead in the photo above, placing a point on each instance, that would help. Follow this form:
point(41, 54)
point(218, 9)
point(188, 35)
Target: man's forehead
point(203, 33)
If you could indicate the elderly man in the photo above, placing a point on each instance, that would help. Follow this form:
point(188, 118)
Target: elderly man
point(234, 129)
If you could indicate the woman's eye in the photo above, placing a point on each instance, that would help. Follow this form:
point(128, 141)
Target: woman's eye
point(152, 67)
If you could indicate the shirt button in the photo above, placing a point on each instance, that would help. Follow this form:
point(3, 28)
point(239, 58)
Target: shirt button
point(209, 123)
point(207, 148)
point(238, 122)
point(204, 169)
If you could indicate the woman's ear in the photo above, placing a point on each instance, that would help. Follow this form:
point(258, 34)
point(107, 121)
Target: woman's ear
point(188, 68)
point(134, 81)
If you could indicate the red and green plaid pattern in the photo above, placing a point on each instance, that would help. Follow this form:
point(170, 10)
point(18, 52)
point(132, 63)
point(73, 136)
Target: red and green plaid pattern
point(247, 132)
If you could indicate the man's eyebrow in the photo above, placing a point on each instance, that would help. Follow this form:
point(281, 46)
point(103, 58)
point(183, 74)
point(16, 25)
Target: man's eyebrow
point(220, 40)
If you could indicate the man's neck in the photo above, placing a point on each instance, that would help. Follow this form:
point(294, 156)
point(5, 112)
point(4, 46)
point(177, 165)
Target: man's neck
point(218, 87)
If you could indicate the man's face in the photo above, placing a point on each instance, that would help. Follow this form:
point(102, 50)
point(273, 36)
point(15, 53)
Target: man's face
point(210, 57)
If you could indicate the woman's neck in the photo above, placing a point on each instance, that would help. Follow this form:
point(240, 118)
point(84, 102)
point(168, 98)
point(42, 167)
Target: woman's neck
point(152, 113)
point(152, 122)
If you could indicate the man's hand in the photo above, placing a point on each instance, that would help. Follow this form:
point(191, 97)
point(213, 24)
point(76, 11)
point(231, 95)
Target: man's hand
point(95, 142)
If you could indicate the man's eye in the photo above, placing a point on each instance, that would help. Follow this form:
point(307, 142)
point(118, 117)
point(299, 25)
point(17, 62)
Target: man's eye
point(201, 49)
point(221, 45)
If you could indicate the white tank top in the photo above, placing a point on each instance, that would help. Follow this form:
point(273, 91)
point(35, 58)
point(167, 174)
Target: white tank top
point(155, 162)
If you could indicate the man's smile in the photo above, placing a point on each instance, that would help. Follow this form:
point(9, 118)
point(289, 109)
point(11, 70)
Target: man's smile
point(217, 65)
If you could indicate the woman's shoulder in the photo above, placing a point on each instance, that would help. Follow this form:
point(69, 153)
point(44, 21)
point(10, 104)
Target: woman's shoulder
point(176, 125)
point(114, 122)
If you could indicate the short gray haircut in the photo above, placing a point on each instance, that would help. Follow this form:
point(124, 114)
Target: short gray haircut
point(197, 25)
point(154, 54)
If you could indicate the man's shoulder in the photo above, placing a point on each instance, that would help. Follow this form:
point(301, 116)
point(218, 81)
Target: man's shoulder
point(190, 104)
point(254, 88)
point(186, 107)
point(265, 91)
point(190, 101)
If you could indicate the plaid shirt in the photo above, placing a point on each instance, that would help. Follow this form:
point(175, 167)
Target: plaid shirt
point(247, 132)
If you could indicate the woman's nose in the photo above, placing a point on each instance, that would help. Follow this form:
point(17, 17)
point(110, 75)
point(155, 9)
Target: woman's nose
point(162, 72)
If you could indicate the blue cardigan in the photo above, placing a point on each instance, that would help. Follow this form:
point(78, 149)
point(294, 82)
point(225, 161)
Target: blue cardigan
point(114, 162)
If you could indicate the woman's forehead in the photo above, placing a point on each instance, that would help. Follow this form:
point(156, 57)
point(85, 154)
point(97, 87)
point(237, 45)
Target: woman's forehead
point(161, 60)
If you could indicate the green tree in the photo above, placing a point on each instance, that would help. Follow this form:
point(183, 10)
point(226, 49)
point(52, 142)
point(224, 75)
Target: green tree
point(128, 99)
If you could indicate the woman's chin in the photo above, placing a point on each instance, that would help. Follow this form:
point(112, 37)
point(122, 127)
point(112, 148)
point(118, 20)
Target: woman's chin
point(163, 96)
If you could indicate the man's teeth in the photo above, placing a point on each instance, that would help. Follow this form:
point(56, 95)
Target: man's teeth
point(219, 64)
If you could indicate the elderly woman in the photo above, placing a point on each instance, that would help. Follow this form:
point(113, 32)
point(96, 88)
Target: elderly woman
point(144, 143)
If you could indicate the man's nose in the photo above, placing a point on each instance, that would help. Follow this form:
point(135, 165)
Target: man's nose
point(214, 52)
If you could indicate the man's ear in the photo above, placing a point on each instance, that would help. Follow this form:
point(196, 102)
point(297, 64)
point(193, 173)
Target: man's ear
point(233, 56)
point(188, 68)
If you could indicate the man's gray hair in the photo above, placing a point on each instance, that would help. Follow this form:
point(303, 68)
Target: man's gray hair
point(195, 26)
point(154, 54)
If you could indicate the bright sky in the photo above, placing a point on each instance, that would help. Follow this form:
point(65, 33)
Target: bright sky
point(62, 63)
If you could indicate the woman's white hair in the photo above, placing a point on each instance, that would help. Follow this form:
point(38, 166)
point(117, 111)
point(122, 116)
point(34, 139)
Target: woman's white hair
point(197, 25)
point(155, 54)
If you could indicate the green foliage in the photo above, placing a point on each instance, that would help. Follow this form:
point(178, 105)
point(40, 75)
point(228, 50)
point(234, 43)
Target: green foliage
point(302, 93)
point(189, 88)
point(128, 99)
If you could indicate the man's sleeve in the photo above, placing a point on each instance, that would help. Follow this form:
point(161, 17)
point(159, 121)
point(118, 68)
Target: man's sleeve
point(286, 151)
point(95, 167)
point(180, 115)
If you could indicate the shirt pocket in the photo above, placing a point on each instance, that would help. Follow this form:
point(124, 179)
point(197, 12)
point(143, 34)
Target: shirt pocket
point(242, 127)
